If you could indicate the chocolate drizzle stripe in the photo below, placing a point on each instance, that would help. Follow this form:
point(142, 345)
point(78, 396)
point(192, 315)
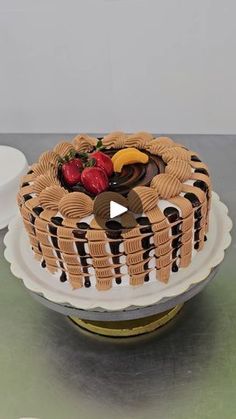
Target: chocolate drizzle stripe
point(32, 221)
point(197, 214)
point(34, 233)
point(145, 228)
point(198, 228)
point(80, 246)
point(115, 251)
point(54, 241)
point(180, 244)
point(176, 223)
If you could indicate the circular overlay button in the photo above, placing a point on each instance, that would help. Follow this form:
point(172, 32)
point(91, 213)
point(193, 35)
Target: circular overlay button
point(111, 211)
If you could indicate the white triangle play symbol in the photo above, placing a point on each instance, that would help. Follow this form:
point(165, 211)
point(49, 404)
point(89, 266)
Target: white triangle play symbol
point(116, 209)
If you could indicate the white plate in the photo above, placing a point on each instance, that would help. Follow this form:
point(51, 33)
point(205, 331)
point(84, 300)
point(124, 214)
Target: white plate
point(13, 165)
point(23, 265)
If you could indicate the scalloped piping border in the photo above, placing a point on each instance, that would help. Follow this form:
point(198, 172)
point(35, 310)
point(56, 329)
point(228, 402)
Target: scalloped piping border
point(113, 305)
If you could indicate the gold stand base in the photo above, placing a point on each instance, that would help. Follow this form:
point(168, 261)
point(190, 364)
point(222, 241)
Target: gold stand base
point(127, 328)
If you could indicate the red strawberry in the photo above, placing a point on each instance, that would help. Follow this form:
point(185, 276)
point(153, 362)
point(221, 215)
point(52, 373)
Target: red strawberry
point(103, 161)
point(95, 180)
point(71, 171)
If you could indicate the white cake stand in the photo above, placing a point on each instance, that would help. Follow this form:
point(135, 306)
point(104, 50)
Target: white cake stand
point(124, 310)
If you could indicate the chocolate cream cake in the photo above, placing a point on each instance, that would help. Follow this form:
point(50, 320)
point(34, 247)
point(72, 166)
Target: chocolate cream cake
point(64, 202)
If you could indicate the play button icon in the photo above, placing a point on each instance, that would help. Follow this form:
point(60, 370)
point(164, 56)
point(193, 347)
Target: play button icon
point(116, 209)
point(111, 209)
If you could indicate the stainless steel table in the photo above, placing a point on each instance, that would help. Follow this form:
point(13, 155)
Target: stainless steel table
point(49, 369)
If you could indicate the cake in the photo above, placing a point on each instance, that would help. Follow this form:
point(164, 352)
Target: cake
point(63, 200)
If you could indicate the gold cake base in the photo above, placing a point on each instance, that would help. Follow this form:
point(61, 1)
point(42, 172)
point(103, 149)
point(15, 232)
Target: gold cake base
point(128, 328)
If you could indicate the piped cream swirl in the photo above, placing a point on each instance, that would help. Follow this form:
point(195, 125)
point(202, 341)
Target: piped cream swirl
point(48, 158)
point(176, 153)
point(51, 196)
point(47, 161)
point(84, 143)
point(44, 181)
point(142, 199)
point(167, 186)
point(76, 205)
point(115, 139)
point(63, 149)
point(179, 168)
point(159, 145)
point(139, 140)
point(42, 169)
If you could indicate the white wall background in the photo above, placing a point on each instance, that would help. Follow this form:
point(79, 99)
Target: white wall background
point(99, 65)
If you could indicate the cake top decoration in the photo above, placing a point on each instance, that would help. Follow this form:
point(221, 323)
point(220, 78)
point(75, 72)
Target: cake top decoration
point(139, 167)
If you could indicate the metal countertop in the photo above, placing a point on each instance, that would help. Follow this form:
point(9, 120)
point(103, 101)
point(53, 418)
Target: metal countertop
point(51, 370)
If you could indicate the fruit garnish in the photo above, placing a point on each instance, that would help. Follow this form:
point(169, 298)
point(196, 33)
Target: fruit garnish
point(95, 180)
point(103, 161)
point(128, 156)
point(71, 171)
point(99, 145)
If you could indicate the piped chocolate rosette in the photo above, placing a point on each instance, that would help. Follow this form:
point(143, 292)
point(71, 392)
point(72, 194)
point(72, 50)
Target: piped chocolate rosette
point(165, 186)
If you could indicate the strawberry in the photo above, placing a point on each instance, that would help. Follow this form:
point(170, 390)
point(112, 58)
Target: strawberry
point(95, 180)
point(71, 171)
point(103, 161)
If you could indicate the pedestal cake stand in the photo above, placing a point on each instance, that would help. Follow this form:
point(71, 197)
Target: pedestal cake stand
point(121, 311)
